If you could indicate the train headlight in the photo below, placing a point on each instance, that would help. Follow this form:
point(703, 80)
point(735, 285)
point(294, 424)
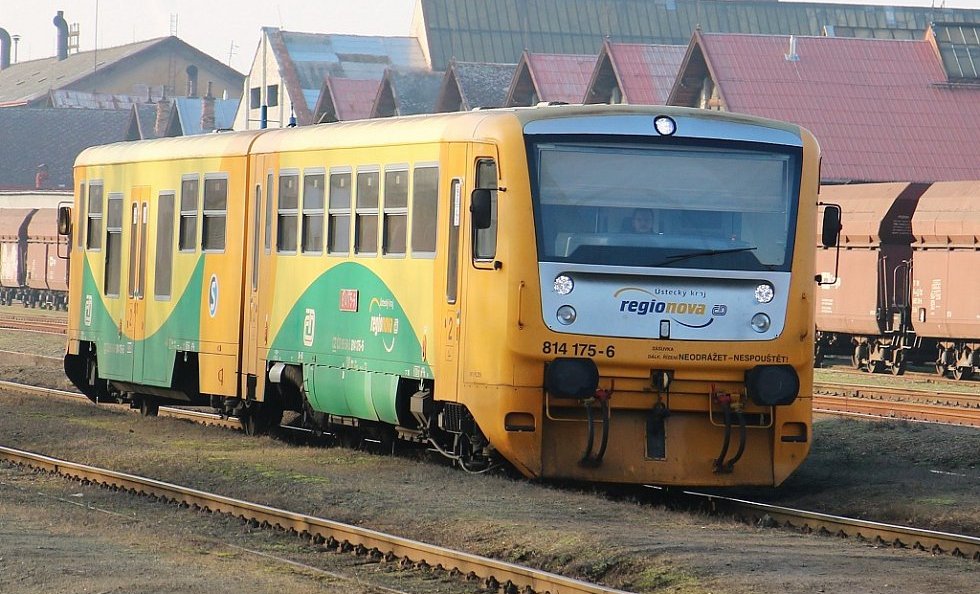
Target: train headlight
point(764, 293)
point(564, 284)
point(760, 322)
point(566, 314)
point(665, 125)
point(772, 385)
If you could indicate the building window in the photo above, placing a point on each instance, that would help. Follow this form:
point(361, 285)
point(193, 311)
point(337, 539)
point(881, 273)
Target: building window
point(93, 231)
point(425, 204)
point(165, 246)
point(215, 212)
point(113, 248)
point(272, 95)
point(288, 212)
point(338, 215)
point(366, 213)
point(255, 98)
point(395, 211)
point(189, 188)
point(313, 193)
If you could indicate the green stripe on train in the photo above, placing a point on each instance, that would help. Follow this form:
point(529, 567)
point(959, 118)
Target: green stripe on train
point(354, 342)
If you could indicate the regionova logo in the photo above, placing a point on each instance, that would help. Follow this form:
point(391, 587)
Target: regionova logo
point(384, 322)
point(677, 304)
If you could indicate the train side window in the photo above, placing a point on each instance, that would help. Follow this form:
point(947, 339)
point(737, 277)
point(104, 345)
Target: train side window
point(485, 240)
point(268, 213)
point(189, 190)
point(395, 227)
point(455, 200)
point(165, 246)
point(113, 245)
point(288, 213)
point(366, 213)
point(425, 204)
point(93, 230)
point(338, 215)
point(83, 201)
point(313, 193)
point(215, 212)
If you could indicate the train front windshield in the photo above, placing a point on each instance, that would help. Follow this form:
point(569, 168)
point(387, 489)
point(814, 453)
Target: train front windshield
point(695, 206)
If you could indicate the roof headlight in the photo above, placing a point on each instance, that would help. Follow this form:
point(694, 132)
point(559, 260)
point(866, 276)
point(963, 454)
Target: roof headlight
point(764, 293)
point(564, 284)
point(665, 125)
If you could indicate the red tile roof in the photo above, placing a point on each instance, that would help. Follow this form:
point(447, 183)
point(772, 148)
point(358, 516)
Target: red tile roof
point(561, 77)
point(646, 73)
point(882, 110)
point(353, 99)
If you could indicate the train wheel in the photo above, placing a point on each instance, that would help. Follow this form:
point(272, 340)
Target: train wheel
point(941, 368)
point(962, 373)
point(856, 357)
point(149, 408)
point(898, 363)
point(876, 366)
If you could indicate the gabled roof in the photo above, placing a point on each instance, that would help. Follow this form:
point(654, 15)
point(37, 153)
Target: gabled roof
point(468, 85)
point(882, 110)
point(499, 31)
point(642, 73)
point(343, 99)
point(83, 100)
point(53, 137)
point(550, 77)
point(306, 59)
point(29, 82)
point(407, 92)
point(188, 112)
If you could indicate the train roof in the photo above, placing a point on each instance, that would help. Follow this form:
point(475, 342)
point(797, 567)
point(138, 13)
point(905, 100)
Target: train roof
point(418, 129)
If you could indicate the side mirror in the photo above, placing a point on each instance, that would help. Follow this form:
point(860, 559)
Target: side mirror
point(64, 220)
point(830, 234)
point(480, 208)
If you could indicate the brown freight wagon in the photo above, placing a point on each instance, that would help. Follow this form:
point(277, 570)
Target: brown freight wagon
point(865, 312)
point(945, 278)
point(31, 270)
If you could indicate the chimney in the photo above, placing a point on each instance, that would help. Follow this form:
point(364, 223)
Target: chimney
point(192, 81)
point(4, 49)
point(207, 111)
point(163, 113)
point(62, 25)
point(792, 56)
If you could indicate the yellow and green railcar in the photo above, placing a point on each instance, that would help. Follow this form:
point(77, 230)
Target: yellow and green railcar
point(468, 281)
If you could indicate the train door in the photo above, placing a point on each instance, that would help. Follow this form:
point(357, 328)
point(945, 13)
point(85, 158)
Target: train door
point(447, 380)
point(137, 212)
point(261, 193)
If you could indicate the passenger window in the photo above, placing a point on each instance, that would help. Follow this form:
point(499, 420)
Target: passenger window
point(288, 212)
point(189, 187)
point(313, 212)
point(215, 212)
point(113, 255)
point(94, 230)
point(165, 246)
point(82, 215)
point(338, 226)
point(366, 221)
point(425, 205)
point(396, 211)
point(485, 240)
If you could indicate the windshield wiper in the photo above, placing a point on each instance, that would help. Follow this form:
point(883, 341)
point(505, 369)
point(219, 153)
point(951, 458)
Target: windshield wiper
point(679, 257)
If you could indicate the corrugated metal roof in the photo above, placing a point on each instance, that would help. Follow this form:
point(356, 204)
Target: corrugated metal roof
point(80, 99)
point(559, 77)
point(646, 72)
point(345, 99)
point(882, 110)
point(307, 59)
point(499, 31)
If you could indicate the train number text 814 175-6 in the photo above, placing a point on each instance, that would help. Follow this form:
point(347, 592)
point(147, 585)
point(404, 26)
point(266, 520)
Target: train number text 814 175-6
point(578, 349)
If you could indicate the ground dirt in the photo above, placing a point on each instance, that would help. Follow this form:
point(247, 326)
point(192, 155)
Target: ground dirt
point(885, 471)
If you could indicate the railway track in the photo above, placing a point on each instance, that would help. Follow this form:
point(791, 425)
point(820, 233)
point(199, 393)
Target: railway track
point(373, 544)
point(34, 323)
point(954, 408)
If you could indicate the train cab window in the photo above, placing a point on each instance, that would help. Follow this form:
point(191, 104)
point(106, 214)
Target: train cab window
point(189, 190)
point(288, 213)
point(215, 212)
point(113, 245)
point(313, 193)
point(93, 229)
point(395, 227)
point(338, 215)
point(366, 213)
point(485, 240)
point(425, 203)
point(165, 246)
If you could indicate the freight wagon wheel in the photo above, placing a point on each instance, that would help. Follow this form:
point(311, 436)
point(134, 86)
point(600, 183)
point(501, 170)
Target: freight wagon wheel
point(962, 373)
point(876, 366)
point(856, 357)
point(941, 368)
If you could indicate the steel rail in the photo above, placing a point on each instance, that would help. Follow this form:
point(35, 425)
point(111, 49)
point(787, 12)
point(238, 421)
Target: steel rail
point(935, 542)
point(892, 403)
point(495, 574)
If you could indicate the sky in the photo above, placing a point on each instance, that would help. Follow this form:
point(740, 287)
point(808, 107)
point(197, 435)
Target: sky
point(229, 30)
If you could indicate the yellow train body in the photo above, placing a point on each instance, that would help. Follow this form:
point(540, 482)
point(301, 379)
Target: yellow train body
point(347, 271)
